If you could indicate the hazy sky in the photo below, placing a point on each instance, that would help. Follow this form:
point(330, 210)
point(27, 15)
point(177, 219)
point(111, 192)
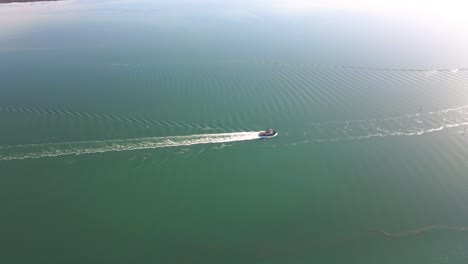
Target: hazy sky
point(448, 15)
point(411, 26)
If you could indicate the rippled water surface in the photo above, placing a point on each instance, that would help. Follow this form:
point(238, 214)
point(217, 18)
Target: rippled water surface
point(129, 135)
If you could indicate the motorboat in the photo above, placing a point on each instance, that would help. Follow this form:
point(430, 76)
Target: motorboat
point(269, 133)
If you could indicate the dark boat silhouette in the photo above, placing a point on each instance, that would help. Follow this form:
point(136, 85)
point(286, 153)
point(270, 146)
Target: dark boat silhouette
point(269, 133)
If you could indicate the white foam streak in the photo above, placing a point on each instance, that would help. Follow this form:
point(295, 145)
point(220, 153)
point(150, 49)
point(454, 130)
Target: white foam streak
point(34, 151)
point(421, 230)
point(381, 135)
point(407, 125)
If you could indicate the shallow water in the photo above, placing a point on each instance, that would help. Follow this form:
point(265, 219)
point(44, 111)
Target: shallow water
point(129, 134)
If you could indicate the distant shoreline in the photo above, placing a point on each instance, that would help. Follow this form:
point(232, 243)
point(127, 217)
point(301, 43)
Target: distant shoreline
point(24, 1)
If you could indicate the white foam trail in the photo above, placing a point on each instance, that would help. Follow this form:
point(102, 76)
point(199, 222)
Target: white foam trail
point(35, 151)
point(407, 125)
point(421, 230)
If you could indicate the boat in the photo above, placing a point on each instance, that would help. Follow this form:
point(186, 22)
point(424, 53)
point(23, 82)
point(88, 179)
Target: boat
point(269, 133)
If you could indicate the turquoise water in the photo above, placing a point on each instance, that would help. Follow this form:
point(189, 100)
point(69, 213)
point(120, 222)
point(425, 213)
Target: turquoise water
point(129, 134)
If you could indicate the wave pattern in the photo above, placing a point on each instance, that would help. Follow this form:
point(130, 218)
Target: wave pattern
point(418, 231)
point(251, 90)
point(350, 67)
point(290, 90)
point(106, 117)
point(248, 95)
point(407, 125)
point(376, 233)
point(304, 244)
point(34, 151)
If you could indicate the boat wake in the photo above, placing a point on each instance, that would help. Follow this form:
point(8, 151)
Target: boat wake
point(382, 233)
point(407, 125)
point(35, 151)
point(419, 231)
